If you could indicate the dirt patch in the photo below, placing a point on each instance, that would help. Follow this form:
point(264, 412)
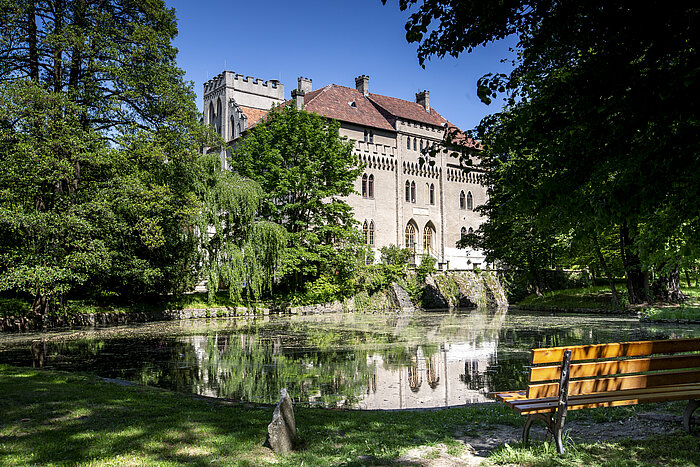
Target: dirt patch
point(476, 449)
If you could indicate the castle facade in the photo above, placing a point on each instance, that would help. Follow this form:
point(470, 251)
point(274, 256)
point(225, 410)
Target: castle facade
point(425, 208)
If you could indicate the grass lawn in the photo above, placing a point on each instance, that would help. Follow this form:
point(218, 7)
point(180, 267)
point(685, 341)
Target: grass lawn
point(595, 297)
point(689, 310)
point(53, 418)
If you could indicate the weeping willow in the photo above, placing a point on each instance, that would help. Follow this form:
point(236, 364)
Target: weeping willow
point(239, 250)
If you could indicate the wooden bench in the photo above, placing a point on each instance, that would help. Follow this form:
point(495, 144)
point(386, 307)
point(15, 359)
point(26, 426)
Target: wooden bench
point(606, 375)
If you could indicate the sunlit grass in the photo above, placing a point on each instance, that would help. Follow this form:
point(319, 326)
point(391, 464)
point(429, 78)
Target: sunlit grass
point(688, 310)
point(59, 418)
point(593, 298)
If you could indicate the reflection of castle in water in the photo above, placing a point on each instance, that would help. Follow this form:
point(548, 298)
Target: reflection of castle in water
point(454, 375)
point(445, 367)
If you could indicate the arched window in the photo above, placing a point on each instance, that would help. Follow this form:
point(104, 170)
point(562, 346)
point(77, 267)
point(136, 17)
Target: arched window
point(218, 117)
point(470, 201)
point(427, 238)
point(411, 237)
point(212, 115)
point(421, 145)
point(365, 231)
point(413, 192)
point(414, 144)
point(432, 193)
point(371, 234)
point(370, 186)
point(471, 231)
point(371, 136)
point(462, 233)
point(364, 185)
point(366, 136)
point(408, 142)
point(462, 200)
point(408, 191)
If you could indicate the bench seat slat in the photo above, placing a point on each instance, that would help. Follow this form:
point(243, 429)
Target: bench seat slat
point(615, 367)
point(686, 391)
point(645, 398)
point(597, 385)
point(616, 349)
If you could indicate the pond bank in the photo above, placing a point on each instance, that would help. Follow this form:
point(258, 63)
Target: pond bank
point(35, 323)
point(55, 417)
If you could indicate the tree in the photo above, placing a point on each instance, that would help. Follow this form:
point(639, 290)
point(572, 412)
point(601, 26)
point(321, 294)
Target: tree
point(304, 167)
point(240, 250)
point(597, 105)
point(99, 137)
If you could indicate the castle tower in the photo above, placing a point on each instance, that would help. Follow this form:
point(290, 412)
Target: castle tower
point(230, 97)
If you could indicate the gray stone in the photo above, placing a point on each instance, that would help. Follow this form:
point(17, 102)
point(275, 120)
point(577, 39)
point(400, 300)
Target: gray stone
point(282, 431)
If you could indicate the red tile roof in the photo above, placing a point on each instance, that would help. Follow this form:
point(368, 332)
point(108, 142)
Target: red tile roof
point(407, 110)
point(334, 101)
point(254, 115)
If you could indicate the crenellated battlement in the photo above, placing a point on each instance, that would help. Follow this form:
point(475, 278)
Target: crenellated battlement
point(249, 84)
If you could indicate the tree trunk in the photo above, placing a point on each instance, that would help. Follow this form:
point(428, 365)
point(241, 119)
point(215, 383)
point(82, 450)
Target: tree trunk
point(687, 278)
point(637, 280)
point(668, 287)
point(58, 51)
point(606, 268)
point(32, 41)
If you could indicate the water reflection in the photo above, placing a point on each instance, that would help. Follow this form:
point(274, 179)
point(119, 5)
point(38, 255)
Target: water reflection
point(378, 361)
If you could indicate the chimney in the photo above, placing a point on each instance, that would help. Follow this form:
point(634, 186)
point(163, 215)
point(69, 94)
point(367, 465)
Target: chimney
point(362, 84)
point(423, 98)
point(298, 96)
point(304, 84)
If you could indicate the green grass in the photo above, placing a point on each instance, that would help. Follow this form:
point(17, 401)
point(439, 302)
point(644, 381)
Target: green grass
point(689, 310)
point(595, 297)
point(670, 450)
point(54, 418)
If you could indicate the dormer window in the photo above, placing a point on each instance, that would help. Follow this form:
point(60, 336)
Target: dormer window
point(353, 104)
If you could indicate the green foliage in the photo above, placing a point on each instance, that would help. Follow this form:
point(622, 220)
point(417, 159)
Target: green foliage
point(99, 136)
point(395, 255)
point(304, 167)
point(426, 268)
point(240, 251)
point(596, 146)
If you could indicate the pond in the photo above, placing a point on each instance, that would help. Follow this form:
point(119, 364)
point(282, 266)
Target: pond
point(367, 361)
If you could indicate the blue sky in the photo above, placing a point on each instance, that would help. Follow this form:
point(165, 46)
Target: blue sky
point(330, 42)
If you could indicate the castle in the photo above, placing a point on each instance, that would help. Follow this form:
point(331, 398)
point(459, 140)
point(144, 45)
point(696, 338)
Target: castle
point(425, 208)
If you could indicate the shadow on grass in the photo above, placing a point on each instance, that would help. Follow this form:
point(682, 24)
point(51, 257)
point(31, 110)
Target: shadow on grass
point(52, 417)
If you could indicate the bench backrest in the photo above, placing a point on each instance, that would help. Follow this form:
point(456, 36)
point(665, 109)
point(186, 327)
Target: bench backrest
point(615, 366)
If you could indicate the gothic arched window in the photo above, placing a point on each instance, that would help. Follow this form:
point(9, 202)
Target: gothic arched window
point(408, 191)
point(462, 200)
point(462, 233)
point(411, 237)
point(370, 186)
point(413, 192)
point(408, 143)
point(471, 231)
point(371, 234)
point(470, 201)
point(432, 193)
point(371, 136)
point(365, 231)
point(364, 185)
point(427, 238)
point(414, 144)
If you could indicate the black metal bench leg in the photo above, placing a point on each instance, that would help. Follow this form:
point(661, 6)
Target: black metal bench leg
point(693, 404)
point(547, 419)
